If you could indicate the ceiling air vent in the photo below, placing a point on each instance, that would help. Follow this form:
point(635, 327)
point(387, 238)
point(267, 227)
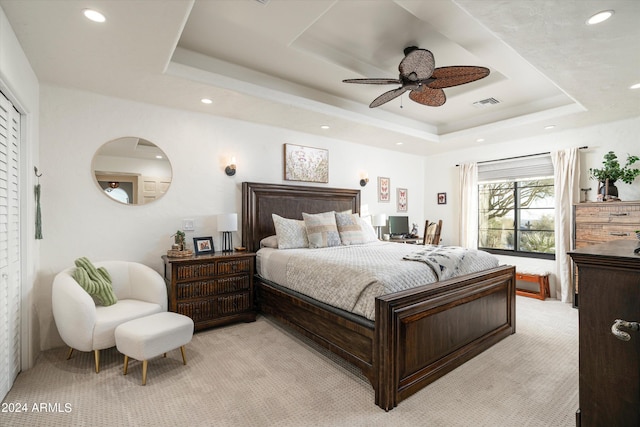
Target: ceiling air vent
point(486, 103)
point(263, 1)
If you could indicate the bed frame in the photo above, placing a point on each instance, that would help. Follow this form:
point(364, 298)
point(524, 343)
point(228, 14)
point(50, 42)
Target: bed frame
point(418, 335)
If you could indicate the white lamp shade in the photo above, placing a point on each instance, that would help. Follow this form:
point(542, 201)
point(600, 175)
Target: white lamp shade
point(379, 220)
point(228, 222)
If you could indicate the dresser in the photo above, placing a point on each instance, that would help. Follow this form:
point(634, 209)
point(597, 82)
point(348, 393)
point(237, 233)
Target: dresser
point(213, 289)
point(609, 368)
point(599, 222)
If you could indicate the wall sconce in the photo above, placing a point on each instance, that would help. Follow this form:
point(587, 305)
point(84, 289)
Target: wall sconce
point(226, 224)
point(231, 169)
point(364, 179)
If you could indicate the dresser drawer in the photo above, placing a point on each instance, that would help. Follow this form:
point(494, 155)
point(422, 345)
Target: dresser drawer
point(193, 271)
point(205, 288)
point(605, 232)
point(608, 212)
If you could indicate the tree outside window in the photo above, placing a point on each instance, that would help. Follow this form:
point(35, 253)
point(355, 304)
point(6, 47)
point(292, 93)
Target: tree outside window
point(517, 217)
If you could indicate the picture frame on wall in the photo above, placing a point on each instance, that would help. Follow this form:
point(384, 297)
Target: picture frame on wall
point(442, 198)
point(306, 164)
point(203, 245)
point(384, 189)
point(402, 198)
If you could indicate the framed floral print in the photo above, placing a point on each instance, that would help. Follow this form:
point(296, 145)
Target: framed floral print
point(306, 164)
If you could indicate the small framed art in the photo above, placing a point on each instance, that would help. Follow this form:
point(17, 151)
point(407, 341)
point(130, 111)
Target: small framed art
point(384, 189)
point(402, 199)
point(306, 164)
point(442, 198)
point(203, 245)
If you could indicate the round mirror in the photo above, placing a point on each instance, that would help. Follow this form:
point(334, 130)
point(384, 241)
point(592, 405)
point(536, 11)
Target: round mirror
point(132, 171)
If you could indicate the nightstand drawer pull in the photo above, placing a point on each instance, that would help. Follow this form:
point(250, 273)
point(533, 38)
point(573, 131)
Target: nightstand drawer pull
point(619, 234)
point(619, 214)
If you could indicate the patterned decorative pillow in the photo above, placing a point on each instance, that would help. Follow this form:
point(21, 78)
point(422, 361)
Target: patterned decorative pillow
point(370, 234)
point(322, 230)
point(349, 229)
point(291, 232)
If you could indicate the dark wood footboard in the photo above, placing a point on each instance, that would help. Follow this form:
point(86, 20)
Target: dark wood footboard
point(422, 334)
point(419, 334)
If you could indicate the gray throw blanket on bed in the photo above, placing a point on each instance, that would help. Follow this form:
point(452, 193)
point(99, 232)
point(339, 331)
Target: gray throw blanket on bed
point(445, 261)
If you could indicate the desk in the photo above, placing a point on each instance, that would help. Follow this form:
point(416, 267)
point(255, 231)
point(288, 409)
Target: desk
point(411, 241)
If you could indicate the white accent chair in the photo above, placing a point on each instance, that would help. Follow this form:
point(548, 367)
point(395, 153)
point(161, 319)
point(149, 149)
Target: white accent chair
point(85, 326)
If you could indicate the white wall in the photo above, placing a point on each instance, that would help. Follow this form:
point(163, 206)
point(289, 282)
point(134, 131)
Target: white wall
point(19, 84)
point(441, 175)
point(79, 221)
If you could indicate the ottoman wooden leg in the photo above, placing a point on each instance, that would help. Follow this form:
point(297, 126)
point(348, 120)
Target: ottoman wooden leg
point(97, 357)
point(70, 353)
point(144, 372)
point(184, 357)
point(126, 364)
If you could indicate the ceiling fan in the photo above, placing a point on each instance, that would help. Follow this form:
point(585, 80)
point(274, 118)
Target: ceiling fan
point(425, 82)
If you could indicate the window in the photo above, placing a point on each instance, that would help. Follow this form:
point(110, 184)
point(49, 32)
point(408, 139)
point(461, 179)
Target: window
point(516, 212)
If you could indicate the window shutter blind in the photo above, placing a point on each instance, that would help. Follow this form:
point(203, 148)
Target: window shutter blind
point(9, 245)
point(516, 169)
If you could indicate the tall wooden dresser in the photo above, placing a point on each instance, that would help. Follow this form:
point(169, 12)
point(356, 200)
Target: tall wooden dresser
point(599, 222)
point(211, 289)
point(609, 368)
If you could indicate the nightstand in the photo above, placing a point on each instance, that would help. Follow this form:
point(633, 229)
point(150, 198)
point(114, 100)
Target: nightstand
point(213, 290)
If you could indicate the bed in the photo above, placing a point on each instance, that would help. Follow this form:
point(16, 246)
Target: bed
point(417, 335)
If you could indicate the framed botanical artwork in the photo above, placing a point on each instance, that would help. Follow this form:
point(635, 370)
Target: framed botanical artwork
point(442, 198)
point(203, 245)
point(384, 189)
point(306, 164)
point(402, 199)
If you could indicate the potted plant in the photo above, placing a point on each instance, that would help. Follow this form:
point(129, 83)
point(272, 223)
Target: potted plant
point(612, 171)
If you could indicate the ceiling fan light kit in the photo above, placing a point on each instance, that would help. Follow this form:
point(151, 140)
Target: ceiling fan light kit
point(424, 82)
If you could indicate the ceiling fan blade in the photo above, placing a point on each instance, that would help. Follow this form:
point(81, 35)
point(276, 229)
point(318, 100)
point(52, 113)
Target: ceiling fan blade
point(373, 81)
point(417, 65)
point(427, 96)
point(456, 75)
point(387, 96)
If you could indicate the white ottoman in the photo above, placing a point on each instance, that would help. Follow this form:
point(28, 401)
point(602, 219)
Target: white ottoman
point(151, 336)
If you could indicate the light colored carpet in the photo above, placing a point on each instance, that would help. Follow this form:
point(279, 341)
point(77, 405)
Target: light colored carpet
point(261, 374)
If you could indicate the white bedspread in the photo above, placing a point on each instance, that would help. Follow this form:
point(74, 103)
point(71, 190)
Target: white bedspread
point(350, 277)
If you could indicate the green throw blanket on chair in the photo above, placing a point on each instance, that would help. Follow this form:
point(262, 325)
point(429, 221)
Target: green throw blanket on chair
point(96, 281)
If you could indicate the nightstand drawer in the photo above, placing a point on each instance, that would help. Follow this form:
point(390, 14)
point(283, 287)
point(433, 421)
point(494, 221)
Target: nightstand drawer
point(205, 288)
point(193, 271)
point(242, 265)
point(207, 309)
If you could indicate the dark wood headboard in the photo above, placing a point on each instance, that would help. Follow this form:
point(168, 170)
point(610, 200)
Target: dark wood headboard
point(259, 201)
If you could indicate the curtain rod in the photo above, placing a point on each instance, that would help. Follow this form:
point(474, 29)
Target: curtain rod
point(521, 157)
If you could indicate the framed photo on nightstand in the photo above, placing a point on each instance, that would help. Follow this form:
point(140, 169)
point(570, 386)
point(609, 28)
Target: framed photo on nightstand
point(203, 245)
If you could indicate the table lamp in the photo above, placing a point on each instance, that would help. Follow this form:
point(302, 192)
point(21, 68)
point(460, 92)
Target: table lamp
point(378, 221)
point(227, 223)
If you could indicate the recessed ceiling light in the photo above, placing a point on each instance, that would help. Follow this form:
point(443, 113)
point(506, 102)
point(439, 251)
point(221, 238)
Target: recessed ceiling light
point(158, 156)
point(94, 15)
point(399, 143)
point(635, 86)
point(206, 101)
point(324, 127)
point(600, 17)
point(549, 127)
point(480, 140)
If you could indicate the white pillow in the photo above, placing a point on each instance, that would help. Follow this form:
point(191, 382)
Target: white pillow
point(291, 233)
point(269, 242)
point(350, 229)
point(369, 233)
point(322, 230)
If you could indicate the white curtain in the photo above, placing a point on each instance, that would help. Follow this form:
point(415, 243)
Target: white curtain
point(469, 205)
point(566, 165)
